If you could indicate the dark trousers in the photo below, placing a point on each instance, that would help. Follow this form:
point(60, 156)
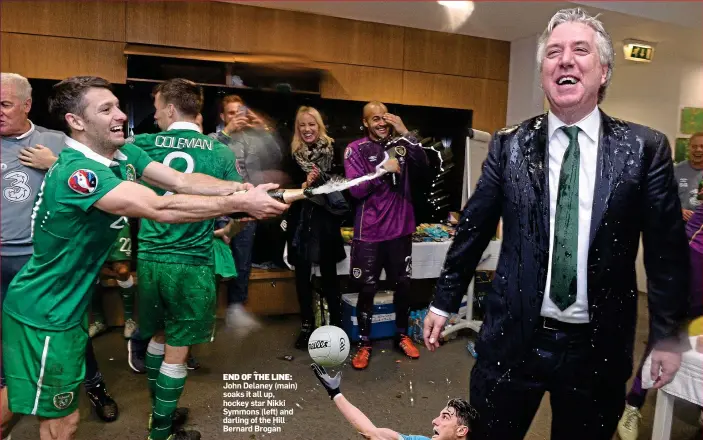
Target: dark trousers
point(558, 361)
point(367, 262)
point(10, 267)
point(330, 290)
point(242, 248)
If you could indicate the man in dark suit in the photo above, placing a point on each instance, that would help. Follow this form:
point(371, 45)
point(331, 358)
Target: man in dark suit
point(575, 189)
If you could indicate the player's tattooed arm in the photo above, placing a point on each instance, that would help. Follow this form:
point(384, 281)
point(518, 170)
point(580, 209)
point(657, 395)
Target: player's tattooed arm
point(133, 200)
point(161, 176)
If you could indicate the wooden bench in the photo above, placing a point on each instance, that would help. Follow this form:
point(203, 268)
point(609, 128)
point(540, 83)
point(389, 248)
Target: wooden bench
point(271, 292)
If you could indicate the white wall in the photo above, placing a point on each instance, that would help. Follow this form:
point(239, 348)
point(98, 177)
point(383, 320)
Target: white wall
point(525, 97)
point(652, 94)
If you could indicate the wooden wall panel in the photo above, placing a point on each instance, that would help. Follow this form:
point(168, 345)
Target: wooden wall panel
point(355, 42)
point(248, 29)
point(490, 113)
point(487, 98)
point(439, 52)
point(4, 54)
point(356, 83)
point(197, 25)
point(96, 20)
point(365, 60)
point(36, 56)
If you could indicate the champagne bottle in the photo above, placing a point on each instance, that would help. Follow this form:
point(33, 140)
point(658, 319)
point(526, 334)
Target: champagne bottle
point(286, 196)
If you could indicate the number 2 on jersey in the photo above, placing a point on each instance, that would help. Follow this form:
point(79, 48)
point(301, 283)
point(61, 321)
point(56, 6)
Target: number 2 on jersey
point(190, 163)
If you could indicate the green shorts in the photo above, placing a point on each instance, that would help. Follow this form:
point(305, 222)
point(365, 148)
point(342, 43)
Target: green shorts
point(122, 249)
point(224, 262)
point(43, 368)
point(180, 299)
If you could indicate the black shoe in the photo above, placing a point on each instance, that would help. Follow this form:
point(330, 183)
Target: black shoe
point(178, 418)
point(184, 435)
point(135, 356)
point(305, 331)
point(105, 406)
point(192, 363)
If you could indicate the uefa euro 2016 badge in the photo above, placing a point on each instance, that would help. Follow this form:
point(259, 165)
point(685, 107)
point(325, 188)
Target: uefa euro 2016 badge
point(83, 181)
point(400, 151)
point(130, 173)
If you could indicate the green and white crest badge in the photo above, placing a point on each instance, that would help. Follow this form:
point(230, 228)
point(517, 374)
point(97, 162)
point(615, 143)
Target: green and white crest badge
point(130, 173)
point(63, 400)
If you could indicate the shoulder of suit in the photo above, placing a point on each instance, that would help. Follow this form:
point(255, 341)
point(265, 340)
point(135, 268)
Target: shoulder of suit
point(639, 130)
point(534, 123)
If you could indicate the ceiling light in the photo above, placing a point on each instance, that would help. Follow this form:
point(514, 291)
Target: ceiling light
point(457, 12)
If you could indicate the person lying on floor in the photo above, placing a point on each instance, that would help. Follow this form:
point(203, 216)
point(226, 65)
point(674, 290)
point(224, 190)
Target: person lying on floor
point(453, 422)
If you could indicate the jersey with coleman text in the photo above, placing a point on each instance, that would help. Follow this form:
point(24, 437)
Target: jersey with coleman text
point(71, 237)
point(187, 151)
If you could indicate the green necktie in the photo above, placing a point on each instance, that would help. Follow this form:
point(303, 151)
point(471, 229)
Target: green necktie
point(566, 225)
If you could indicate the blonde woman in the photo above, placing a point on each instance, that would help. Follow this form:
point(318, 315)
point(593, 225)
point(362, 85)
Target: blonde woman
point(313, 230)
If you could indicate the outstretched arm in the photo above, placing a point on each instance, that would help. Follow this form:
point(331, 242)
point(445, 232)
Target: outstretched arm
point(133, 200)
point(158, 174)
point(362, 423)
point(353, 415)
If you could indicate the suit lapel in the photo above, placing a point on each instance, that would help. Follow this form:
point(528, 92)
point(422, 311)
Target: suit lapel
point(535, 144)
point(613, 152)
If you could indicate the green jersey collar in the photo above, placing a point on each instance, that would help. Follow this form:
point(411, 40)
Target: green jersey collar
point(90, 154)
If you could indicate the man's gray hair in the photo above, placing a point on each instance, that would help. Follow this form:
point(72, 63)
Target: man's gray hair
point(604, 44)
point(22, 88)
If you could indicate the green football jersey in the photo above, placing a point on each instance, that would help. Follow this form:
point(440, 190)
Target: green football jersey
point(71, 238)
point(184, 149)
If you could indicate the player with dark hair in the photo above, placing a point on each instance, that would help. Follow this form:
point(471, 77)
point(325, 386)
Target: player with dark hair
point(453, 423)
point(77, 217)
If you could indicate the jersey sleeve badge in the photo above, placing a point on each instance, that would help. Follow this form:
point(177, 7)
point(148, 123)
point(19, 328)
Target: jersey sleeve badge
point(83, 181)
point(130, 173)
point(347, 153)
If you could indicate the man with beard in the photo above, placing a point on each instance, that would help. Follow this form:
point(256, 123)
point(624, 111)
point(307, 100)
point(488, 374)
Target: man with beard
point(77, 217)
point(384, 221)
point(28, 150)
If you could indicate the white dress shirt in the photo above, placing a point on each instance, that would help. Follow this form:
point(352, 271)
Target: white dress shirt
point(588, 138)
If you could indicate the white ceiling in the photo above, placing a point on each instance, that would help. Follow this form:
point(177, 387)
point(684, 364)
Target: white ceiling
point(676, 27)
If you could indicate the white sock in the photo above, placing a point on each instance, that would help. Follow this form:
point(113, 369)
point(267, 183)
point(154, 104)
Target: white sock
point(155, 348)
point(126, 284)
point(176, 371)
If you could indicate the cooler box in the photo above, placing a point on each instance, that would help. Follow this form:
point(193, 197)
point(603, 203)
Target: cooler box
point(382, 323)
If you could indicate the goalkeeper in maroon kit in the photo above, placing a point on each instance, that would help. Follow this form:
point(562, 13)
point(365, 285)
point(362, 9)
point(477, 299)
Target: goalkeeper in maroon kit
point(384, 220)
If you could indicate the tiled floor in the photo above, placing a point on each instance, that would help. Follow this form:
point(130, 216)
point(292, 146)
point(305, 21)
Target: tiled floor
point(383, 391)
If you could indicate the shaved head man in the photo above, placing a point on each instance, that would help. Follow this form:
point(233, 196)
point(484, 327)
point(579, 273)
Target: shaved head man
point(384, 220)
